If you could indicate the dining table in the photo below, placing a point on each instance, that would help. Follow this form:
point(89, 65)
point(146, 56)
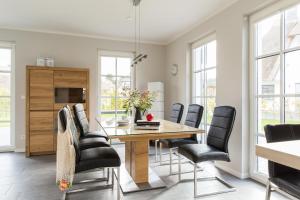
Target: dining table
point(286, 153)
point(136, 174)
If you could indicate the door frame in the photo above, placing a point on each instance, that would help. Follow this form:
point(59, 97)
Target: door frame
point(12, 46)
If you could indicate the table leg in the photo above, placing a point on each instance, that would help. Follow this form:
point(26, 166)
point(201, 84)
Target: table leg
point(136, 160)
point(136, 174)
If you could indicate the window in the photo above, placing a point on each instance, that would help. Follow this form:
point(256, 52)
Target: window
point(204, 77)
point(6, 68)
point(115, 74)
point(275, 79)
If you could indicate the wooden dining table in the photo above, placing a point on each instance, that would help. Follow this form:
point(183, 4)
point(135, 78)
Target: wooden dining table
point(136, 175)
point(285, 153)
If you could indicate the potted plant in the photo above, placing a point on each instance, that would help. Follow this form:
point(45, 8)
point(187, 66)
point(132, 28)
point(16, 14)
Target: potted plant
point(138, 101)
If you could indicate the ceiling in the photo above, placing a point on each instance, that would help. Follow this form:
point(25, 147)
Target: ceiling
point(161, 20)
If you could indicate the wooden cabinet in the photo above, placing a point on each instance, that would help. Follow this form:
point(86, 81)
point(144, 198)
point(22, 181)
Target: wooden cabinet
point(41, 109)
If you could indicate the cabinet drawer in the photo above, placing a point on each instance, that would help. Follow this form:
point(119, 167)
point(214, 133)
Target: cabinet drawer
point(41, 142)
point(70, 79)
point(41, 135)
point(41, 89)
point(41, 121)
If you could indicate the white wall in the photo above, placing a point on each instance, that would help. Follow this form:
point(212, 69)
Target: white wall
point(232, 72)
point(69, 51)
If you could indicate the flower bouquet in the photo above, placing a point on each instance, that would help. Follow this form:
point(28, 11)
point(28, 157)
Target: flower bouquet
point(138, 101)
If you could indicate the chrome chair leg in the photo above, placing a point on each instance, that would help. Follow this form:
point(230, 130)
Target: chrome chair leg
point(102, 179)
point(271, 187)
point(179, 168)
point(171, 161)
point(268, 192)
point(156, 150)
point(112, 179)
point(228, 189)
point(90, 188)
point(160, 153)
point(195, 180)
point(119, 186)
point(108, 176)
point(163, 162)
point(171, 153)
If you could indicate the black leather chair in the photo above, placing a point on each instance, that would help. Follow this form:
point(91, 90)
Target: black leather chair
point(86, 142)
point(176, 115)
point(282, 178)
point(193, 119)
point(83, 123)
point(176, 112)
point(216, 147)
point(93, 158)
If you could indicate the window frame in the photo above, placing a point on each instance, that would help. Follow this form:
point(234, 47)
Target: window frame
point(277, 8)
point(202, 43)
point(115, 54)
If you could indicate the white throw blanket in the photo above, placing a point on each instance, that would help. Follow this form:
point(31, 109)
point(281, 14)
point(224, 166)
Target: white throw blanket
point(65, 154)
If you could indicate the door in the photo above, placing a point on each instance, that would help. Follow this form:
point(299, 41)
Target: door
point(6, 97)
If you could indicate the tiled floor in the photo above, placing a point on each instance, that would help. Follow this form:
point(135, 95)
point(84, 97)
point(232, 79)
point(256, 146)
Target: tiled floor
point(34, 179)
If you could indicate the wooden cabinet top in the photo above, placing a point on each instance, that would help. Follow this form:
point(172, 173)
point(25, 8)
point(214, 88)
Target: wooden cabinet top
point(58, 68)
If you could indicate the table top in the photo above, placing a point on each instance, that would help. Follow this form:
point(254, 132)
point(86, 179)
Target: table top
point(286, 153)
point(166, 129)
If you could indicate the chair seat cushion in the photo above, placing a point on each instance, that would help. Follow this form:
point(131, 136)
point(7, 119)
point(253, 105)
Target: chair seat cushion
point(87, 143)
point(288, 182)
point(98, 158)
point(172, 143)
point(95, 134)
point(202, 152)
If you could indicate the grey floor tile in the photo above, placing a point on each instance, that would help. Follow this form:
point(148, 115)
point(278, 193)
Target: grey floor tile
point(34, 179)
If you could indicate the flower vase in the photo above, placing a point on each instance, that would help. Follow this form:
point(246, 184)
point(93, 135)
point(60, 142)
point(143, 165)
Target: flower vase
point(138, 115)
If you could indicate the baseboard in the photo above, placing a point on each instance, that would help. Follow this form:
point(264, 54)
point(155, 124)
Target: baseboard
point(232, 172)
point(20, 150)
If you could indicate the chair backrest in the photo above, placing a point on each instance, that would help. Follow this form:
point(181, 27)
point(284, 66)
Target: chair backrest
point(63, 119)
point(176, 112)
point(81, 119)
point(281, 133)
point(193, 117)
point(221, 127)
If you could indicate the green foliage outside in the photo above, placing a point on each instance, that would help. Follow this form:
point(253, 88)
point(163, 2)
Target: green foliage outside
point(211, 103)
point(108, 90)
